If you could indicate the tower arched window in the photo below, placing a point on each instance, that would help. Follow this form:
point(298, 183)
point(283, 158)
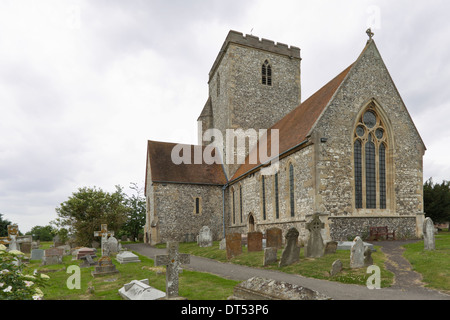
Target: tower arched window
point(370, 144)
point(266, 73)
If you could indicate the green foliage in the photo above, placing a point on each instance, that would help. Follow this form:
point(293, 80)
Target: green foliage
point(14, 285)
point(42, 233)
point(135, 214)
point(436, 199)
point(85, 211)
point(4, 226)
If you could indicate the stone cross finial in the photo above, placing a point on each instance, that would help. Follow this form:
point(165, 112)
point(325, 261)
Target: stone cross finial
point(173, 260)
point(104, 233)
point(13, 238)
point(370, 33)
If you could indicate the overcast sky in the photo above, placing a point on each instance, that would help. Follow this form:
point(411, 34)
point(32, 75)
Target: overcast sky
point(84, 84)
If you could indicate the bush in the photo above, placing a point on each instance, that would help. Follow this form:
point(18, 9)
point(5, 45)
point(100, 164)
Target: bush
point(13, 284)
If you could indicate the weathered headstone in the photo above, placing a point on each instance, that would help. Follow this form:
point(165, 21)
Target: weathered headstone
point(291, 252)
point(88, 261)
point(357, 254)
point(223, 244)
point(233, 244)
point(127, 257)
point(57, 241)
point(257, 288)
point(205, 238)
point(336, 267)
point(173, 261)
point(52, 256)
point(37, 254)
point(428, 234)
point(254, 241)
point(274, 238)
point(25, 247)
point(270, 255)
point(140, 290)
point(105, 265)
point(81, 252)
point(331, 247)
point(113, 245)
point(368, 260)
point(314, 246)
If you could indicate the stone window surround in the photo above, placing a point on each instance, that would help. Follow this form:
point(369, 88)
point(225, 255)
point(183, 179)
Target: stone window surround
point(200, 209)
point(387, 140)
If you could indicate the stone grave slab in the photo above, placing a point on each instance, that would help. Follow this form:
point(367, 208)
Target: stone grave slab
point(233, 245)
point(254, 241)
point(274, 238)
point(140, 290)
point(347, 245)
point(270, 255)
point(257, 288)
point(37, 254)
point(127, 257)
point(104, 267)
point(85, 251)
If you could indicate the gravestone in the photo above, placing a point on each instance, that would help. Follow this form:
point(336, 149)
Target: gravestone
point(428, 234)
point(85, 251)
point(37, 254)
point(223, 244)
point(105, 265)
point(173, 261)
point(233, 245)
point(336, 267)
point(257, 288)
point(88, 261)
point(140, 290)
point(357, 254)
point(291, 252)
point(205, 237)
point(254, 241)
point(270, 256)
point(314, 246)
point(26, 247)
point(57, 241)
point(13, 239)
point(52, 256)
point(331, 247)
point(368, 260)
point(127, 257)
point(274, 238)
point(113, 245)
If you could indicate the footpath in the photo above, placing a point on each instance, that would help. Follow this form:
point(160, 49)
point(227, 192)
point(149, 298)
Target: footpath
point(407, 285)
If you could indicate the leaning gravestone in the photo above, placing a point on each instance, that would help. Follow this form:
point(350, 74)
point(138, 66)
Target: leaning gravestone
point(291, 252)
point(140, 290)
point(428, 234)
point(205, 237)
point(357, 254)
point(254, 241)
point(336, 267)
point(314, 247)
point(274, 238)
point(233, 245)
point(257, 288)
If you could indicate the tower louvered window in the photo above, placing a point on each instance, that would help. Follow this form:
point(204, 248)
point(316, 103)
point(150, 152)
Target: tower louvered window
point(266, 73)
point(369, 156)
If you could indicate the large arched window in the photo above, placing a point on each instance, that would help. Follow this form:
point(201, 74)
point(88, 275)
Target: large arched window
point(369, 153)
point(291, 189)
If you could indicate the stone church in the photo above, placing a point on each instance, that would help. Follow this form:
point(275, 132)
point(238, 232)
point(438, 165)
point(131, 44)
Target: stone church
point(350, 152)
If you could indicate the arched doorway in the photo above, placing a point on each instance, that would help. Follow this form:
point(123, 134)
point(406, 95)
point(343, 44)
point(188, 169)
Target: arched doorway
point(251, 223)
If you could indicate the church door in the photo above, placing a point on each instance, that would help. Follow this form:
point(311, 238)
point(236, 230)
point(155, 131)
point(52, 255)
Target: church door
point(251, 223)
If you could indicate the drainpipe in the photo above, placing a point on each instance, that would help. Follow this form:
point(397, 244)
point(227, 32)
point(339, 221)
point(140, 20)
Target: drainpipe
point(223, 208)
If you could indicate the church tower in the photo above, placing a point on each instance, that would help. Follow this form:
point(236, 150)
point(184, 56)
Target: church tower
point(253, 84)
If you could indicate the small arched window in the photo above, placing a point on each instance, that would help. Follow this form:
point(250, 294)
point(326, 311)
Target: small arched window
point(266, 73)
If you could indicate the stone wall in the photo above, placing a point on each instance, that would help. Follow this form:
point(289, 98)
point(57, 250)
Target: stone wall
point(175, 217)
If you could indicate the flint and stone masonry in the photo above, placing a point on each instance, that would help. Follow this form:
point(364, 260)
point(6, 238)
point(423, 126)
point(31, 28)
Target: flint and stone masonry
point(319, 169)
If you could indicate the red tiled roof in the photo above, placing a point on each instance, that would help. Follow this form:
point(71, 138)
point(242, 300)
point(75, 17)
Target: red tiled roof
point(295, 126)
point(163, 169)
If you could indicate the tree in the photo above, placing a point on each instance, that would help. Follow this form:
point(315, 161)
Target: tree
point(136, 213)
point(4, 226)
point(43, 233)
point(85, 211)
point(436, 198)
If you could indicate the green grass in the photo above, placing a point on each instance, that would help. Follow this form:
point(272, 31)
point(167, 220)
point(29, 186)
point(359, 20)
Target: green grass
point(193, 285)
point(433, 265)
point(314, 268)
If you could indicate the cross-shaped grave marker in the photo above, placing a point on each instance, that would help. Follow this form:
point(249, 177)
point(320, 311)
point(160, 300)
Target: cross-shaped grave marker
point(104, 233)
point(315, 247)
point(13, 238)
point(173, 260)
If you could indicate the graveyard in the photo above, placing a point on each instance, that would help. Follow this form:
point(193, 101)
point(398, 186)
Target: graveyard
point(114, 268)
